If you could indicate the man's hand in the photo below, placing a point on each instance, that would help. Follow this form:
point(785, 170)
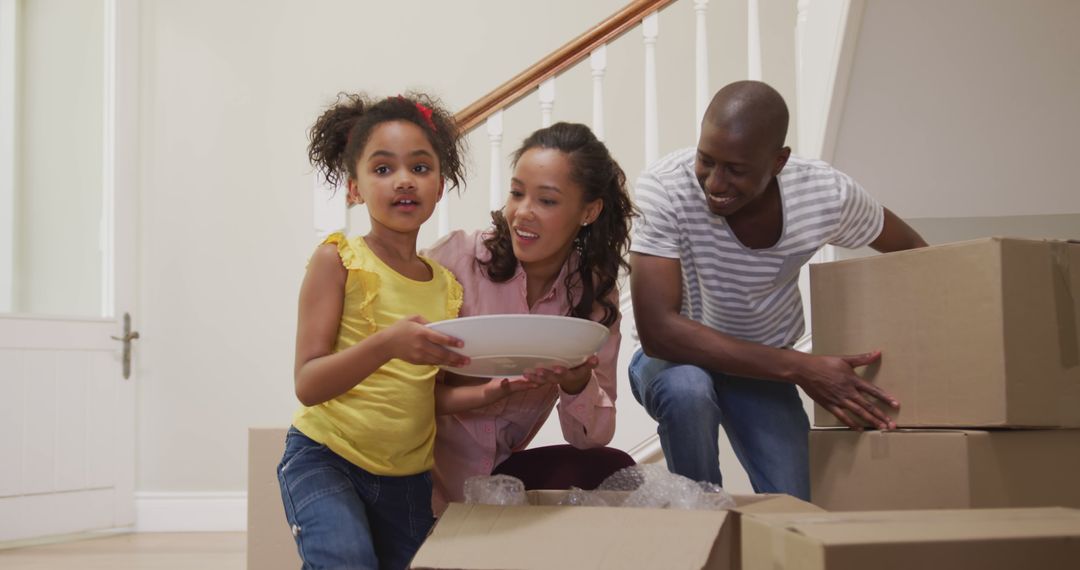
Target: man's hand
point(831, 381)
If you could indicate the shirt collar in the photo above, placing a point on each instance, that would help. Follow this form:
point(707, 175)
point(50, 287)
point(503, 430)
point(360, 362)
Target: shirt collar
point(559, 285)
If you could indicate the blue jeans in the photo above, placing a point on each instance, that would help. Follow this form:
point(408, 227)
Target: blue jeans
point(764, 420)
point(344, 517)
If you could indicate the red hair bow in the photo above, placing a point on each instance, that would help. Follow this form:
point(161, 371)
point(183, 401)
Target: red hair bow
point(425, 112)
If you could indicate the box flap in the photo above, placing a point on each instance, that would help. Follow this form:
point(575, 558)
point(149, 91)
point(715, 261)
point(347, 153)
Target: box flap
point(494, 537)
point(938, 430)
point(773, 503)
point(1041, 292)
point(978, 539)
point(759, 503)
point(890, 527)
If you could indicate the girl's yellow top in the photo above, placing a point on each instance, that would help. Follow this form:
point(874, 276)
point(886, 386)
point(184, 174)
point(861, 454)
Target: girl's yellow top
point(386, 423)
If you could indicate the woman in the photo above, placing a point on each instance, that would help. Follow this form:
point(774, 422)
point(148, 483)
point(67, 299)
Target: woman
point(556, 248)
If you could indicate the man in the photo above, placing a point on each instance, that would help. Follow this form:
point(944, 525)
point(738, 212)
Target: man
point(716, 258)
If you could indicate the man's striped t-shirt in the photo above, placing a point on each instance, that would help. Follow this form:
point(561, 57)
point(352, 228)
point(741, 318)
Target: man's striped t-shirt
point(751, 294)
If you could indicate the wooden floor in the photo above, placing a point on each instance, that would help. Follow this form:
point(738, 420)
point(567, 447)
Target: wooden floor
point(164, 551)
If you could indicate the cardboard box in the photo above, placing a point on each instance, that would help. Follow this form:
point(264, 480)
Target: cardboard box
point(524, 537)
point(979, 539)
point(544, 535)
point(270, 545)
point(973, 334)
point(944, 469)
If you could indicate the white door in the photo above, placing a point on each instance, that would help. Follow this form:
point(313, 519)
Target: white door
point(68, 110)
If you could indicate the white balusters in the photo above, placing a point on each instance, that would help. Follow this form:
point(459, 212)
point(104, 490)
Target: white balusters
point(495, 134)
point(701, 64)
point(753, 40)
point(803, 130)
point(598, 64)
point(650, 28)
point(546, 93)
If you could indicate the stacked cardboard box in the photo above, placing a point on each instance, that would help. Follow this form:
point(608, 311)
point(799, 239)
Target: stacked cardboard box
point(944, 469)
point(979, 335)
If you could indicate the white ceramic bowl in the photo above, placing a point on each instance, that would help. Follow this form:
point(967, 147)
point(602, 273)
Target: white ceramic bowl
point(507, 345)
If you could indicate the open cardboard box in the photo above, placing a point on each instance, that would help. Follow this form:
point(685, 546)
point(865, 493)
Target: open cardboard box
point(545, 535)
point(975, 539)
point(973, 334)
point(540, 536)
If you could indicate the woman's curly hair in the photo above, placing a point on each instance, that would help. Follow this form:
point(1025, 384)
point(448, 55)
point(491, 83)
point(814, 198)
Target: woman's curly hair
point(340, 133)
point(601, 245)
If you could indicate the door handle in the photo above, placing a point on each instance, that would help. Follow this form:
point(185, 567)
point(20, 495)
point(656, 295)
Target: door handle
point(129, 335)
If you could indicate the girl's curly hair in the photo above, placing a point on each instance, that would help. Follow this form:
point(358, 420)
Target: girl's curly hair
point(602, 245)
point(340, 133)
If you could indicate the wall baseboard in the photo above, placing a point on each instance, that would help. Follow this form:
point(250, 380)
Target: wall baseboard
point(190, 512)
point(648, 451)
point(227, 511)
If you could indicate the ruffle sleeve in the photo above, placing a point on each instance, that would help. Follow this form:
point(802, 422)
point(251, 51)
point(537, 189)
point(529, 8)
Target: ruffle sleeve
point(454, 295)
point(362, 286)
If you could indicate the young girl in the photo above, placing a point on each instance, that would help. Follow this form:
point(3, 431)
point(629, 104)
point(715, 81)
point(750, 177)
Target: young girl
point(355, 476)
point(555, 248)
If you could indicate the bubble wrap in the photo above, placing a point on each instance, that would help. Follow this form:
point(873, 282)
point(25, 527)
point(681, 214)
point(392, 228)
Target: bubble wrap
point(495, 490)
point(583, 498)
point(652, 486)
point(648, 485)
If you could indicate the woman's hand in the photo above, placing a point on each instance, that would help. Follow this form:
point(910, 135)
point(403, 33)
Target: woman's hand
point(571, 380)
point(411, 341)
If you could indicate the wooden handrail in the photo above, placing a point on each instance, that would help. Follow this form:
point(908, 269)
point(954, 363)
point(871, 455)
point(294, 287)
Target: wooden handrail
point(562, 58)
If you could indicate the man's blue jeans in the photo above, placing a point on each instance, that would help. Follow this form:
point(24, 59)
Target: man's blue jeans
point(344, 517)
point(764, 420)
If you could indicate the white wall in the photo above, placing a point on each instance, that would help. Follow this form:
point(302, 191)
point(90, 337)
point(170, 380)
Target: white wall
point(229, 89)
point(965, 108)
